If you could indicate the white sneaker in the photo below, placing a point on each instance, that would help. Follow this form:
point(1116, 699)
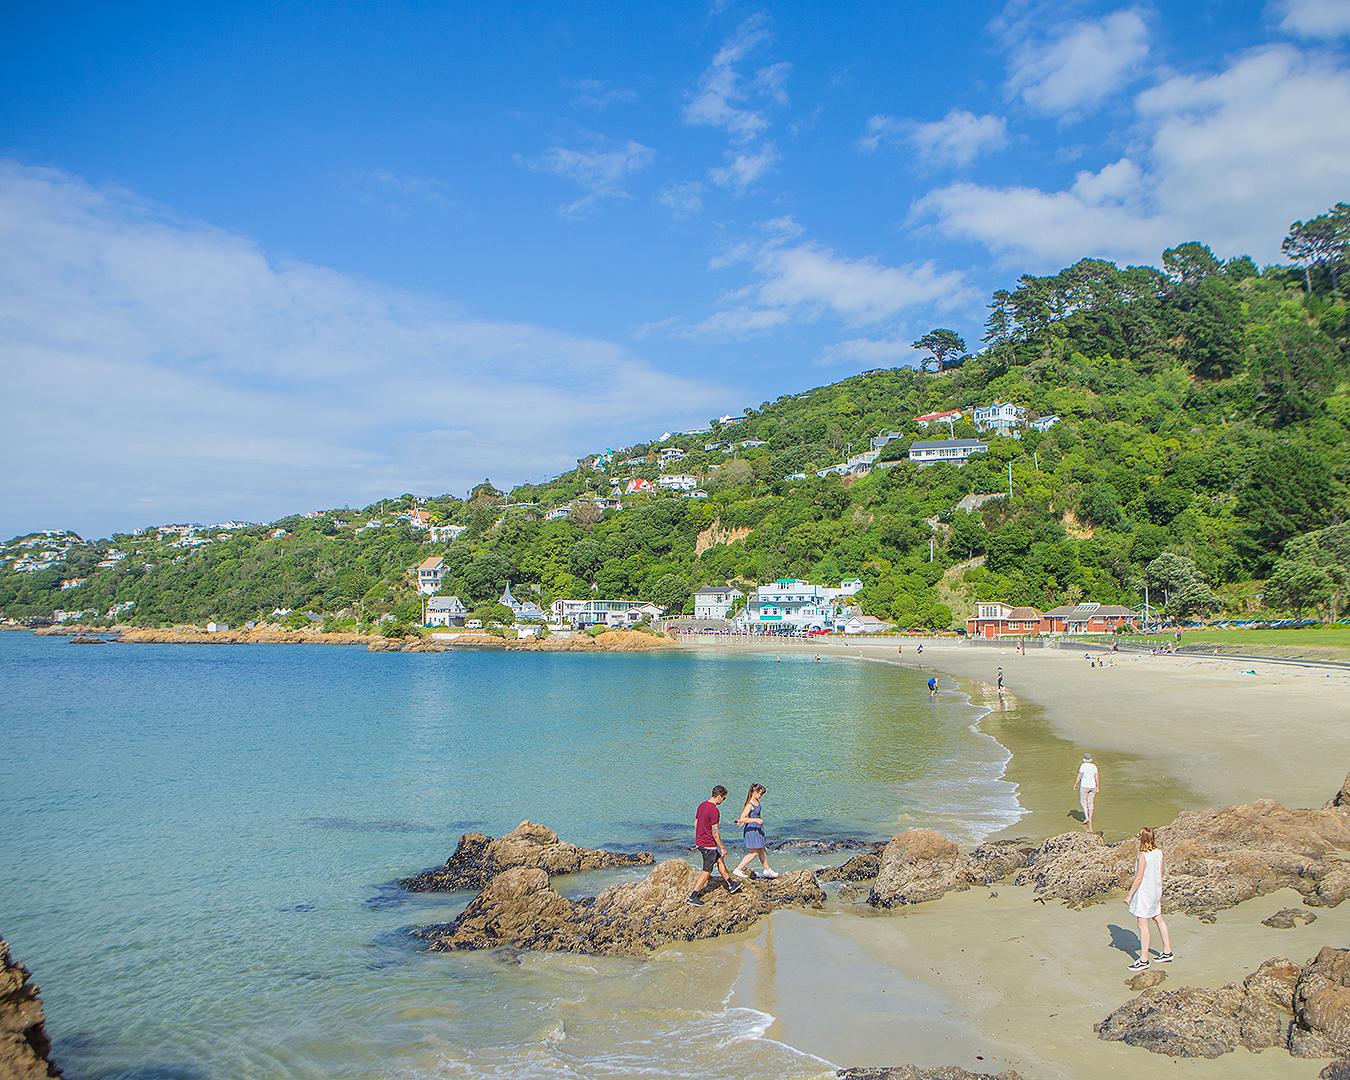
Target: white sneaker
point(770, 873)
point(739, 873)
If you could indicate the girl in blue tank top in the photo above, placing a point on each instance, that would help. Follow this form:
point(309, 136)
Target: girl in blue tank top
point(752, 821)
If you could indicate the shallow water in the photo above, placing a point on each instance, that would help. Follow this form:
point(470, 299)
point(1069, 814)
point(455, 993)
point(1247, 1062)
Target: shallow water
point(199, 842)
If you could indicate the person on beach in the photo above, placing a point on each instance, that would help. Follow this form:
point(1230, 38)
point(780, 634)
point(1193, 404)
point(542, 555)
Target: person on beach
point(708, 840)
point(1087, 782)
point(752, 822)
point(932, 686)
point(1145, 899)
point(920, 650)
point(1000, 680)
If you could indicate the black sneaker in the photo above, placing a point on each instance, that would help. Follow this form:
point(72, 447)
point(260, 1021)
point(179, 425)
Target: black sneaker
point(1164, 958)
point(1140, 965)
point(733, 887)
point(694, 901)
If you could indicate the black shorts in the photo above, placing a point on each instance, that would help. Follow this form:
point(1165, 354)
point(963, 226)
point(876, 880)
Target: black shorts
point(710, 857)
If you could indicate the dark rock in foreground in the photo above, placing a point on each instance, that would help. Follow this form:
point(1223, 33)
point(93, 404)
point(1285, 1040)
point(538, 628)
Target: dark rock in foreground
point(913, 1072)
point(1305, 1009)
point(1286, 918)
point(478, 859)
point(519, 909)
point(25, 1048)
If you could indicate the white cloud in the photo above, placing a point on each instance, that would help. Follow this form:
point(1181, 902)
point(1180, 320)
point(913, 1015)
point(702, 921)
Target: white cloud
point(599, 172)
point(597, 94)
point(683, 199)
point(1230, 159)
point(957, 139)
point(862, 351)
point(1081, 65)
point(221, 385)
point(807, 281)
point(1315, 18)
point(721, 100)
point(398, 191)
point(743, 168)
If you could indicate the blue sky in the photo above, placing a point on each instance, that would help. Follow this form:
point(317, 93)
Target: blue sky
point(273, 258)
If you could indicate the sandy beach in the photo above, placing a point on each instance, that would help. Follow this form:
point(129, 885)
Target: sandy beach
point(992, 979)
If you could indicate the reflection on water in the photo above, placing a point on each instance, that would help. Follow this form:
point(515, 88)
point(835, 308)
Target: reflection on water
point(199, 844)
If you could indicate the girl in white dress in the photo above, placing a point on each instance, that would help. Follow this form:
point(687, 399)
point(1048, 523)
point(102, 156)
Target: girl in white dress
point(1145, 899)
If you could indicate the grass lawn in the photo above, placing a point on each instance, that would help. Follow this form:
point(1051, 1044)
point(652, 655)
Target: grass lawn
point(1308, 637)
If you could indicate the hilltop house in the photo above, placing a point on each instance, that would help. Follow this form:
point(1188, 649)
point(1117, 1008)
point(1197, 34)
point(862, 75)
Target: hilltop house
point(445, 611)
point(948, 417)
point(419, 519)
point(1002, 417)
point(1045, 423)
point(715, 601)
point(429, 573)
point(953, 450)
point(679, 482)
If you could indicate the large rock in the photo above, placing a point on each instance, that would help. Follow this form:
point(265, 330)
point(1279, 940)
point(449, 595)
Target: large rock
point(1212, 859)
point(519, 909)
point(478, 859)
point(25, 1048)
point(1321, 1005)
point(1256, 1013)
point(921, 865)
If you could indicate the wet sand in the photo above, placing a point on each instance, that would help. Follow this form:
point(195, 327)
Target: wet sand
point(995, 982)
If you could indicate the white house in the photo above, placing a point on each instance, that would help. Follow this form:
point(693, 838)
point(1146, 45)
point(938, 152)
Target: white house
point(557, 512)
point(679, 482)
point(217, 627)
point(580, 614)
point(635, 485)
point(953, 450)
point(746, 444)
point(445, 611)
point(419, 519)
point(857, 465)
point(846, 588)
point(439, 533)
point(1045, 423)
point(929, 419)
point(429, 574)
point(671, 454)
point(791, 605)
point(1002, 417)
point(697, 493)
point(866, 624)
point(715, 601)
point(528, 610)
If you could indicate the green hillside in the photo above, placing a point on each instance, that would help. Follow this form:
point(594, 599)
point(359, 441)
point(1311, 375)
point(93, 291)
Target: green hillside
point(1204, 412)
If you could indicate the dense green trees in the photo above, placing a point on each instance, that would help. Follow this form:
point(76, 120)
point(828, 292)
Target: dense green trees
point(1204, 420)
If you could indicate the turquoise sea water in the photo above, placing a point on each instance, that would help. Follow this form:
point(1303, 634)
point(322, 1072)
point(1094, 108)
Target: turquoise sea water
point(198, 842)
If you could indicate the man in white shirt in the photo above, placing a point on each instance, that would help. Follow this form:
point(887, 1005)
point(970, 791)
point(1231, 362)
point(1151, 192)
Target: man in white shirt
point(1087, 783)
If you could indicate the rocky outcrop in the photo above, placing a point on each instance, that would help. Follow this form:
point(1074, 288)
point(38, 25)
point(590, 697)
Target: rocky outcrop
point(913, 1072)
point(920, 865)
point(519, 909)
point(1303, 1008)
point(478, 859)
point(25, 1048)
point(1212, 859)
point(862, 867)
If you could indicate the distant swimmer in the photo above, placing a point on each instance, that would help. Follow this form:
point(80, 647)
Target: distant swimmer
point(1087, 782)
point(932, 686)
point(1000, 680)
point(817, 658)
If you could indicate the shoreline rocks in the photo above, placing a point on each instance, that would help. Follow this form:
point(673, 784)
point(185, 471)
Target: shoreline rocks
point(1302, 1008)
point(519, 909)
point(25, 1048)
point(913, 1072)
point(1214, 859)
point(478, 859)
point(610, 641)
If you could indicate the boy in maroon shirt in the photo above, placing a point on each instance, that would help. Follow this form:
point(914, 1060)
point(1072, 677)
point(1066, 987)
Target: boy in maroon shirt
point(708, 840)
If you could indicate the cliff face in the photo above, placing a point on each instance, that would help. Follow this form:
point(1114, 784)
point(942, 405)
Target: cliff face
point(24, 1045)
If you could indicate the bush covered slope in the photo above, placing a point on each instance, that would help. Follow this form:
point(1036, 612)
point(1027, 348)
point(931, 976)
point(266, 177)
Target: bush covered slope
point(1204, 413)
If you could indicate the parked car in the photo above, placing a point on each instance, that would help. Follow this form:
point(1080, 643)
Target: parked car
point(473, 624)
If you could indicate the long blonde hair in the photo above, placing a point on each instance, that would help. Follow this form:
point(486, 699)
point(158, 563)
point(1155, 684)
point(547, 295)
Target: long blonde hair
point(1146, 841)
